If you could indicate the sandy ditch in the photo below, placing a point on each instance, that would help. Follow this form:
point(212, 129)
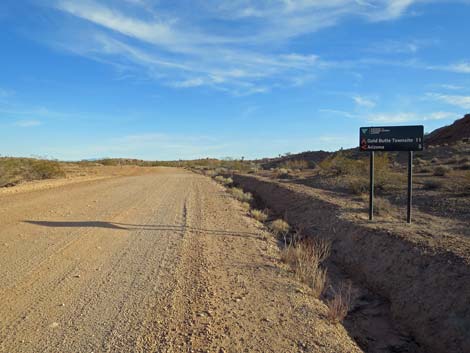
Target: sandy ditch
point(424, 288)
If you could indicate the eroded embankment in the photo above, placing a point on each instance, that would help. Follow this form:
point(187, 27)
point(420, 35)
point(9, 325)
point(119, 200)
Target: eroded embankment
point(428, 287)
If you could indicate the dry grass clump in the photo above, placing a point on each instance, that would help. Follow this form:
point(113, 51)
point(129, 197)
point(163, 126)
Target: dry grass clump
point(441, 170)
point(210, 173)
point(259, 215)
point(305, 259)
point(280, 228)
point(339, 304)
point(240, 195)
point(382, 206)
point(224, 181)
point(283, 173)
point(16, 170)
point(420, 161)
point(245, 206)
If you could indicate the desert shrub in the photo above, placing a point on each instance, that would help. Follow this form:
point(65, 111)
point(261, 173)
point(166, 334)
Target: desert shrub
point(283, 173)
point(382, 206)
point(295, 164)
point(420, 161)
point(259, 215)
point(210, 173)
point(358, 186)
point(355, 171)
point(339, 304)
point(224, 181)
point(245, 206)
point(306, 259)
point(441, 170)
point(240, 195)
point(109, 162)
point(338, 164)
point(280, 228)
point(432, 184)
point(16, 170)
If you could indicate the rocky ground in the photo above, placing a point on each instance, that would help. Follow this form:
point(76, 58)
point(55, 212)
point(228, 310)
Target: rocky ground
point(159, 260)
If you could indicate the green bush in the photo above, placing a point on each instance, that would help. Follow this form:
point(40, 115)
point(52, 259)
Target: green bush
point(16, 170)
point(358, 185)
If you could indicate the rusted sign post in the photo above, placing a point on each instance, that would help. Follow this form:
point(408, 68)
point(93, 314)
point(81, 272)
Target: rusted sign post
point(391, 139)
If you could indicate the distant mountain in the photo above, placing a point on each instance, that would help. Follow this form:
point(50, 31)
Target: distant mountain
point(450, 134)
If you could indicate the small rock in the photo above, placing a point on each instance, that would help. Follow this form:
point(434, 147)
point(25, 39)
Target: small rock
point(77, 276)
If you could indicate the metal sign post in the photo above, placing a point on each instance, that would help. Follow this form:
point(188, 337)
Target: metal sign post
point(410, 186)
point(391, 138)
point(371, 187)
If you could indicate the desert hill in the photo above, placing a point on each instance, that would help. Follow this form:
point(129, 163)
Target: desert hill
point(459, 130)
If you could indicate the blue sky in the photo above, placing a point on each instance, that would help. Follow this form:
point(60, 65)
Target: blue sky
point(158, 79)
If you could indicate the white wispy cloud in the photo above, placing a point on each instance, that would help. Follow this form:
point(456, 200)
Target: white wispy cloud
point(364, 101)
point(456, 100)
point(462, 67)
point(451, 87)
point(396, 118)
point(339, 113)
point(28, 123)
point(180, 48)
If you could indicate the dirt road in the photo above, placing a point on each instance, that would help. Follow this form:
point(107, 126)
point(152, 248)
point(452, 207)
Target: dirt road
point(161, 262)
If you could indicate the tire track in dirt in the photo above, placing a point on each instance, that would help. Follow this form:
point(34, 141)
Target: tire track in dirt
point(30, 259)
point(170, 265)
point(44, 280)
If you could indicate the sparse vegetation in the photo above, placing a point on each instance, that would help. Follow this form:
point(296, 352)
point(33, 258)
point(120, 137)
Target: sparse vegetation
point(259, 215)
point(17, 170)
point(382, 206)
point(305, 259)
point(284, 173)
point(240, 195)
point(353, 173)
point(441, 170)
point(295, 164)
point(358, 185)
point(280, 228)
point(245, 206)
point(223, 180)
point(339, 304)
